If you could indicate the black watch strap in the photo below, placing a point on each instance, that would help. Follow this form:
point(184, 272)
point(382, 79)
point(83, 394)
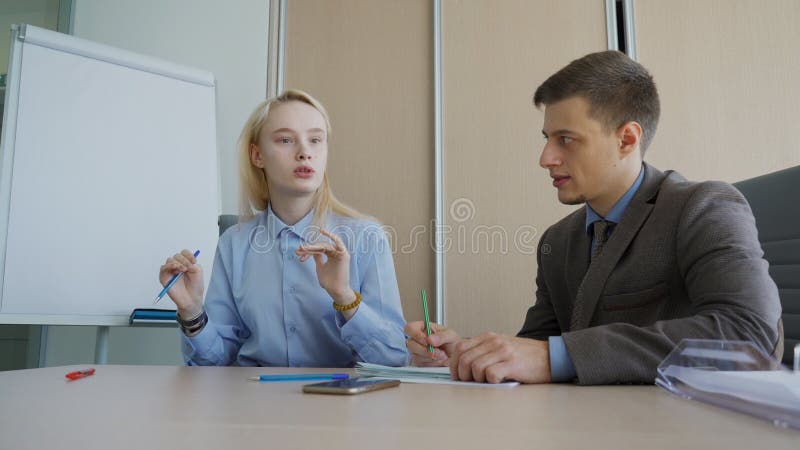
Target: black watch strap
point(194, 325)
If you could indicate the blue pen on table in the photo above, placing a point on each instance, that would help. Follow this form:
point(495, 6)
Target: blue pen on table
point(302, 377)
point(175, 278)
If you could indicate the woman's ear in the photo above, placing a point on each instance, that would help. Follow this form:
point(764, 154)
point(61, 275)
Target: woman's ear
point(255, 156)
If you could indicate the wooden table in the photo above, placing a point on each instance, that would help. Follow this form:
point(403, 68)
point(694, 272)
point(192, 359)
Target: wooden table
point(154, 407)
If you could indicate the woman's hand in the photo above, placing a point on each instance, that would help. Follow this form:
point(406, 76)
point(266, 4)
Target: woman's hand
point(333, 267)
point(187, 292)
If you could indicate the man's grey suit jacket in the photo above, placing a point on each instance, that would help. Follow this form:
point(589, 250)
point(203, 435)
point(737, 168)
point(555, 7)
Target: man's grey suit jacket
point(684, 262)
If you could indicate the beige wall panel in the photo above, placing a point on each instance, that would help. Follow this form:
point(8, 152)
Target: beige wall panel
point(496, 53)
point(371, 63)
point(728, 72)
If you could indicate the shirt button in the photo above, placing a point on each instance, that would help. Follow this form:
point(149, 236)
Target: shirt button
point(292, 329)
point(292, 289)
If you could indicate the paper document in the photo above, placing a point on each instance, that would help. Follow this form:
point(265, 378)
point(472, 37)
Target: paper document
point(736, 375)
point(427, 375)
point(772, 388)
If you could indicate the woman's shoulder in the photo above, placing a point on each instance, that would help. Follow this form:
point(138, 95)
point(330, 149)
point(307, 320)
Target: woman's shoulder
point(242, 231)
point(357, 232)
point(359, 225)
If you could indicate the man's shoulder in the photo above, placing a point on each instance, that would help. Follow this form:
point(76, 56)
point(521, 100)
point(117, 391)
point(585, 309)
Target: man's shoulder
point(674, 191)
point(677, 189)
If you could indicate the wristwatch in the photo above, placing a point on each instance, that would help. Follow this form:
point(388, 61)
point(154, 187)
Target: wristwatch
point(192, 326)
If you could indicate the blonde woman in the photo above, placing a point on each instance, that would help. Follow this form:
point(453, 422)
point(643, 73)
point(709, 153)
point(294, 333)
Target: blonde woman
point(303, 280)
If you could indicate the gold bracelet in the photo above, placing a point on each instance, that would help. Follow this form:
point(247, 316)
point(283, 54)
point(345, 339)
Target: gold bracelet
point(350, 306)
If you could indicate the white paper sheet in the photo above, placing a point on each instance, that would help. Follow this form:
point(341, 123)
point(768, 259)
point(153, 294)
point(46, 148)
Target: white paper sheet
point(425, 375)
point(773, 388)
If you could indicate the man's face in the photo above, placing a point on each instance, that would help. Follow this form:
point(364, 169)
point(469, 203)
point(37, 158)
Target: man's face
point(582, 157)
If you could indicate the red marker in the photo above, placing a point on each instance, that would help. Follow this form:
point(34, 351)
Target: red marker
point(78, 374)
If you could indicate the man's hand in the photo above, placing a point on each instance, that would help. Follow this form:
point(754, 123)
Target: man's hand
point(493, 358)
point(442, 339)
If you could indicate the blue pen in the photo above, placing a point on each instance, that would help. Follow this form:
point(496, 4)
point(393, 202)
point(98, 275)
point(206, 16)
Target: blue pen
point(302, 377)
point(175, 278)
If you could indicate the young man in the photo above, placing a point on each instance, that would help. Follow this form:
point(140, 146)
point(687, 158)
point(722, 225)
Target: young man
point(650, 260)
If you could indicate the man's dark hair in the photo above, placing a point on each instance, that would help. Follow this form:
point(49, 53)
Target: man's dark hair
point(618, 89)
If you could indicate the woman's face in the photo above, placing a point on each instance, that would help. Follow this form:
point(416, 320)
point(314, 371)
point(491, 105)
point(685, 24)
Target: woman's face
point(293, 149)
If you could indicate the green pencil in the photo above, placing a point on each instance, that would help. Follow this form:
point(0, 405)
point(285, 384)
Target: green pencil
point(427, 319)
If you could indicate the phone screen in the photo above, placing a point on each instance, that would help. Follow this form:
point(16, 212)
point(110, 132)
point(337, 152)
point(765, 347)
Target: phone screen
point(350, 386)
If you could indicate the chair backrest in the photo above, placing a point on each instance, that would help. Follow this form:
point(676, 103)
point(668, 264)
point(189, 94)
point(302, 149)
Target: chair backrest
point(775, 200)
point(225, 221)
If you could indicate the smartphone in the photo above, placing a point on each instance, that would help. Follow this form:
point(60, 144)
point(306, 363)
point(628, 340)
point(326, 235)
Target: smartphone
point(350, 386)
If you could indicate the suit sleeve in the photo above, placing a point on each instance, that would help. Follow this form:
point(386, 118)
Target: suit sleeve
point(540, 322)
point(728, 284)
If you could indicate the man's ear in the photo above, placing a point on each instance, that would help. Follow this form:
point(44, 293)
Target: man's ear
point(255, 156)
point(630, 137)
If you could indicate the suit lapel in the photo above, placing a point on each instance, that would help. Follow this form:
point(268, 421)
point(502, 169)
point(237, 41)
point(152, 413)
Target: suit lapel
point(596, 276)
point(578, 247)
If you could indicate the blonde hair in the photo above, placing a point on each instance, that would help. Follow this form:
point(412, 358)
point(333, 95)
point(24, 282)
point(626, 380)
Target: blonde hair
point(254, 187)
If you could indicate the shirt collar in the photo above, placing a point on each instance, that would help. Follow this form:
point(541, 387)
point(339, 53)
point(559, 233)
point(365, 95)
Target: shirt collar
point(275, 225)
point(618, 210)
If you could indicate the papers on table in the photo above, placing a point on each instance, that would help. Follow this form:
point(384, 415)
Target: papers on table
point(427, 375)
point(733, 375)
point(771, 388)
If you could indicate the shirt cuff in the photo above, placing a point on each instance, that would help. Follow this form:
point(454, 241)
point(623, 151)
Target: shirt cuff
point(357, 332)
point(372, 342)
point(200, 343)
point(561, 367)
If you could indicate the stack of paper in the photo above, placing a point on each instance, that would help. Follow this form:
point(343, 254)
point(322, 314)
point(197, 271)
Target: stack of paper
point(779, 389)
point(409, 374)
point(377, 370)
point(736, 375)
